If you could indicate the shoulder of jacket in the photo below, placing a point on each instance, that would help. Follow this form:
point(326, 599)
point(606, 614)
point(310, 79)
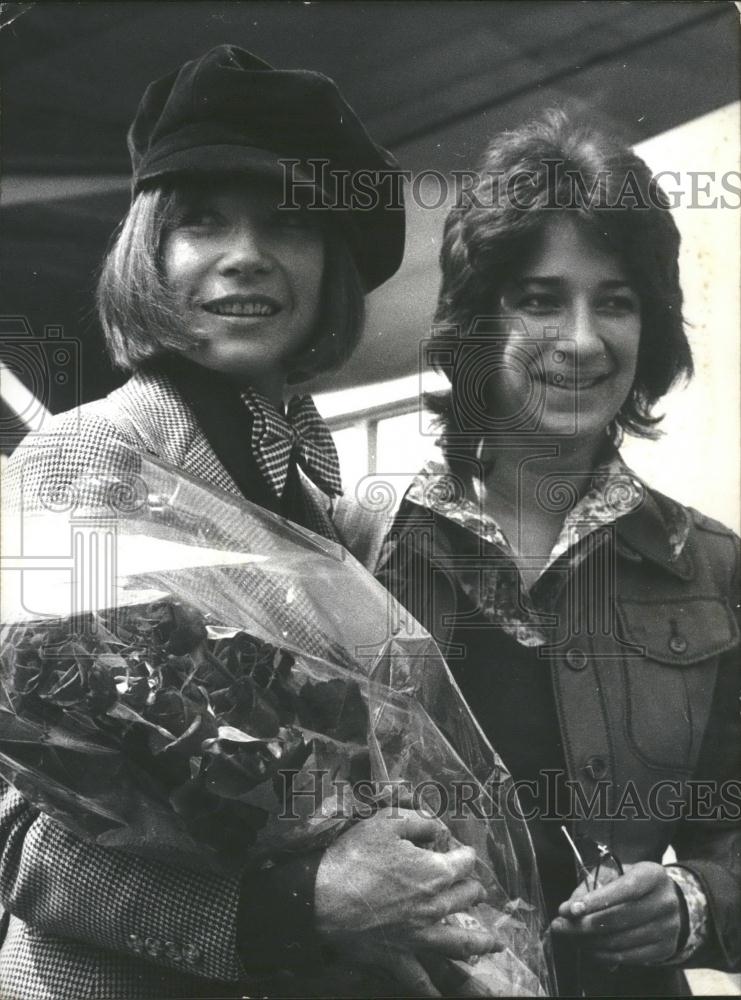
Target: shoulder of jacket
point(721, 545)
point(146, 412)
point(697, 519)
point(716, 544)
point(75, 429)
point(112, 428)
point(708, 524)
point(152, 408)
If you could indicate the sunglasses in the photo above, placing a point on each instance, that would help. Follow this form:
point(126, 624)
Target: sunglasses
point(596, 863)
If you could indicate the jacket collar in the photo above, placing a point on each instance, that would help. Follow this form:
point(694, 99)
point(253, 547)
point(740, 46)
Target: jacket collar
point(166, 426)
point(653, 530)
point(147, 397)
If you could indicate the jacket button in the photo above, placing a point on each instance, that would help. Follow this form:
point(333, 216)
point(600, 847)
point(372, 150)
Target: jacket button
point(677, 644)
point(173, 951)
point(153, 946)
point(595, 767)
point(191, 954)
point(576, 658)
point(135, 942)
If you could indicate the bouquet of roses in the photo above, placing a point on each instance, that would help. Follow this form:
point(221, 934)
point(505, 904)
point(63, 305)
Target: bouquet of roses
point(234, 687)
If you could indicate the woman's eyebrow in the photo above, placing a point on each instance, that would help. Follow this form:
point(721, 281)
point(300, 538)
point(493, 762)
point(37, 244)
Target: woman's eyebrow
point(617, 283)
point(537, 279)
point(553, 281)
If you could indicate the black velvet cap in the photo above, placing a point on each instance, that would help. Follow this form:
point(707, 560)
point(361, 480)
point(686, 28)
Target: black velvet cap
point(229, 111)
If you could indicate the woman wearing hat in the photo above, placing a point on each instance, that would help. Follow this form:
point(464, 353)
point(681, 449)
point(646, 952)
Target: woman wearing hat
point(591, 622)
point(215, 298)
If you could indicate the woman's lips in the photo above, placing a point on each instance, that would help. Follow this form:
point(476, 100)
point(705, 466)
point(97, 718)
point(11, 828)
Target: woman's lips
point(557, 380)
point(243, 305)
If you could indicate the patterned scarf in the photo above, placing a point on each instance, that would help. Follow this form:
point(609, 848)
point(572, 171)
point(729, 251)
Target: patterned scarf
point(301, 433)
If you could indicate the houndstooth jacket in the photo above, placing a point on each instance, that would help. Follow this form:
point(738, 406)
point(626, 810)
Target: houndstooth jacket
point(88, 922)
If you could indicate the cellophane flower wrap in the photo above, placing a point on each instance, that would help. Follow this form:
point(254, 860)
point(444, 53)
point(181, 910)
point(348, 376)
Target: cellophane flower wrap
point(191, 678)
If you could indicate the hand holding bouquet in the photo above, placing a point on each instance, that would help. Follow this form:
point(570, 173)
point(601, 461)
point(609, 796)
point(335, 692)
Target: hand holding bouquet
point(247, 690)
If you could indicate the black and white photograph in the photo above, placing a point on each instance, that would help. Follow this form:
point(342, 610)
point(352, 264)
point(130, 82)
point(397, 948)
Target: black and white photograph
point(370, 420)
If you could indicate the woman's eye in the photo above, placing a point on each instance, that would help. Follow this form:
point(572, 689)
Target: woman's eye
point(618, 305)
point(292, 218)
point(199, 218)
point(539, 304)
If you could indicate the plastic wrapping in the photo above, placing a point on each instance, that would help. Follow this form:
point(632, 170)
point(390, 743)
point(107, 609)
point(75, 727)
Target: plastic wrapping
point(231, 687)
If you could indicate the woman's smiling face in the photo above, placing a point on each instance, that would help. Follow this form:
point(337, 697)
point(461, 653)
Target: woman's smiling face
point(574, 325)
point(247, 278)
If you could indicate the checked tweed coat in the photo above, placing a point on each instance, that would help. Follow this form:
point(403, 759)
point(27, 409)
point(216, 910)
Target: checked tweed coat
point(87, 922)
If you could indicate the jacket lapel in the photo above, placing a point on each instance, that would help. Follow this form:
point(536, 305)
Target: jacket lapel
point(151, 406)
point(320, 508)
point(167, 428)
point(646, 533)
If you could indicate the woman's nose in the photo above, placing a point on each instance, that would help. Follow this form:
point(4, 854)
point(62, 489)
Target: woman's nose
point(585, 327)
point(245, 250)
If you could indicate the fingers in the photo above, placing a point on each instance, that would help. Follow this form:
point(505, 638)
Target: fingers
point(611, 921)
point(417, 828)
point(436, 872)
point(615, 936)
point(445, 901)
point(456, 942)
point(459, 897)
point(578, 894)
point(407, 969)
point(457, 864)
point(375, 877)
point(408, 825)
point(650, 912)
point(432, 873)
point(643, 930)
point(638, 881)
point(633, 940)
point(640, 946)
point(645, 954)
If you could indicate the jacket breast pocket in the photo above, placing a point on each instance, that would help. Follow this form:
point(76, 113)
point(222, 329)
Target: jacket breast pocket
point(670, 678)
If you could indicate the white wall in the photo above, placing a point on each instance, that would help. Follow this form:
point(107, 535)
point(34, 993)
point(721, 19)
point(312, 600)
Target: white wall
point(697, 461)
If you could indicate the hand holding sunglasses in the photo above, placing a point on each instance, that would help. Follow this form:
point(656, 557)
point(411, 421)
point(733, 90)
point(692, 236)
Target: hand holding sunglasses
point(620, 914)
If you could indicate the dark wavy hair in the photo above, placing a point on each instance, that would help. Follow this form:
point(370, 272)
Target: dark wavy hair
point(138, 313)
point(555, 165)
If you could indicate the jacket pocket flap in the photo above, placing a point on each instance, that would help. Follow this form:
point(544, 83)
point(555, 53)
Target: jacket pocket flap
point(679, 632)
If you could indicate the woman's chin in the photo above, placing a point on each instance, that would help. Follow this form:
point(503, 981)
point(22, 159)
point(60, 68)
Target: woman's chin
point(238, 364)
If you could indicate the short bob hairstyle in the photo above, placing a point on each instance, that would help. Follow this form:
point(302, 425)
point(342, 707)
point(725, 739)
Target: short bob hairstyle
point(553, 165)
point(138, 313)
